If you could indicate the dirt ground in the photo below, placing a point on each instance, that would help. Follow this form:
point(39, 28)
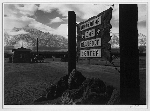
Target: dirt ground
point(25, 82)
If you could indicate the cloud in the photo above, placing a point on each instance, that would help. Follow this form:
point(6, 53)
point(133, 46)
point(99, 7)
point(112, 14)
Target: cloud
point(18, 16)
point(142, 19)
point(9, 9)
point(62, 30)
point(61, 8)
point(27, 9)
point(19, 10)
point(83, 11)
point(17, 33)
point(65, 18)
point(23, 43)
point(142, 30)
point(12, 21)
point(56, 20)
point(46, 7)
point(41, 27)
point(142, 12)
point(115, 12)
point(115, 29)
point(86, 11)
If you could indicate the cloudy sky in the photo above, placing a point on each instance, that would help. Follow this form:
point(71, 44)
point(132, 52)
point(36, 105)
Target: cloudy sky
point(53, 18)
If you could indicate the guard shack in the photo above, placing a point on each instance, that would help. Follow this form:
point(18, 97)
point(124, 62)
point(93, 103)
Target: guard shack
point(21, 55)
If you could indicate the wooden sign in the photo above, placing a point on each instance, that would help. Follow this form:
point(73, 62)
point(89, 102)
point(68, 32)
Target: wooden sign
point(93, 35)
point(90, 53)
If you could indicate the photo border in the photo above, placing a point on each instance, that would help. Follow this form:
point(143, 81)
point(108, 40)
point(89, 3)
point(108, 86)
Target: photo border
point(75, 107)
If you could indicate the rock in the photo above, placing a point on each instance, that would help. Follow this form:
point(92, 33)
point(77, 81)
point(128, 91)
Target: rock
point(56, 90)
point(51, 92)
point(49, 96)
point(115, 98)
point(76, 89)
point(75, 79)
point(41, 99)
point(97, 86)
point(71, 96)
point(94, 98)
point(62, 85)
point(95, 92)
point(109, 91)
point(66, 98)
point(94, 85)
point(92, 91)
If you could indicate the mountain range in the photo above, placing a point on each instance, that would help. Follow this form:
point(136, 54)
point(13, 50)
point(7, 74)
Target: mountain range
point(27, 37)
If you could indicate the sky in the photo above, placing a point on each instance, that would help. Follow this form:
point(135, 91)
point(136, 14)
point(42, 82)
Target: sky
point(53, 18)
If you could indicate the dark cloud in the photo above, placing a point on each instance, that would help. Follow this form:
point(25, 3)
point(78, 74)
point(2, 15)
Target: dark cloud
point(54, 25)
point(114, 22)
point(9, 8)
point(5, 15)
point(45, 17)
point(142, 23)
point(37, 5)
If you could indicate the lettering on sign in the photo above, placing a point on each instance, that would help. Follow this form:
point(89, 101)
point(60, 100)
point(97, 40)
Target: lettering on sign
point(90, 33)
point(90, 53)
point(91, 23)
point(90, 43)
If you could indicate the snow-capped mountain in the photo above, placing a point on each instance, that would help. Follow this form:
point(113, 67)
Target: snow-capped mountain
point(27, 37)
point(115, 40)
point(142, 39)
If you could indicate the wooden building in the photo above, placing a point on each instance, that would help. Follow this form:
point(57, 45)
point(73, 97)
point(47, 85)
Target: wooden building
point(21, 55)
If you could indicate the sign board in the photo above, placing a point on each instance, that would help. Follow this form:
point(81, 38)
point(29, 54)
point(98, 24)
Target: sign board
point(91, 23)
point(90, 53)
point(90, 43)
point(93, 35)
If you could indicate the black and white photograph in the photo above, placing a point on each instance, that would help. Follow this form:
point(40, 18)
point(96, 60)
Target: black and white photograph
point(91, 54)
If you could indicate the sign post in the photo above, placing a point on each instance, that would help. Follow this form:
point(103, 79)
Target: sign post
point(71, 41)
point(129, 57)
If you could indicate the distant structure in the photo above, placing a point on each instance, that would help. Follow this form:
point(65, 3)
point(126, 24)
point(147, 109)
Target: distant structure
point(21, 55)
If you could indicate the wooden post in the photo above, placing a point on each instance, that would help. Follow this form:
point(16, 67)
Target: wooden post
point(129, 55)
point(71, 41)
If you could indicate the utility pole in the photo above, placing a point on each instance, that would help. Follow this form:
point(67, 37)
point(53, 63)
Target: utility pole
point(71, 41)
point(129, 54)
point(37, 46)
point(22, 44)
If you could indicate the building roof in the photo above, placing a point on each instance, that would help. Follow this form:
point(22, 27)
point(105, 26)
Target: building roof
point(21, 49)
